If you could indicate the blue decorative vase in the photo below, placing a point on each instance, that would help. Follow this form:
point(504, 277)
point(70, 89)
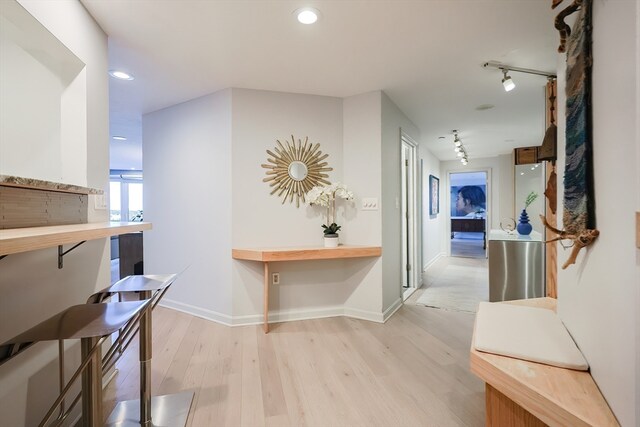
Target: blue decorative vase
point(524, 227)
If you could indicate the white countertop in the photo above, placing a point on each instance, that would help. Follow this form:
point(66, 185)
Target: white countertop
point(503, 235)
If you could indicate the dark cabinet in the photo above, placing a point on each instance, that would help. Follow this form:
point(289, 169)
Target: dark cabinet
point(131, 253)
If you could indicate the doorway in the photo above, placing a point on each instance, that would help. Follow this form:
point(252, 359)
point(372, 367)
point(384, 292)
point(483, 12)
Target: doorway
point(409, 214)
point(468, 213)
point(125, 204)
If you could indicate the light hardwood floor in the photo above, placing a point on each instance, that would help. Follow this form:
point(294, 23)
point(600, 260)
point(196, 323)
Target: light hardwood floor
point(468, 245)
point(411, 371)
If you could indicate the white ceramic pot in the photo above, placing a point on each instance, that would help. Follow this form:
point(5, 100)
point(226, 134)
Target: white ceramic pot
point(331, 242)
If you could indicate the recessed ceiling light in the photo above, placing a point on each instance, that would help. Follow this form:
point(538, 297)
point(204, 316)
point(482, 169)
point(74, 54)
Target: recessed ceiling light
point(484, 107)
point(307, 15)
point(118, 74)
point(120, 138)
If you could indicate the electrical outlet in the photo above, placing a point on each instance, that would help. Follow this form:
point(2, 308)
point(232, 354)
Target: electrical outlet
point(275, 278)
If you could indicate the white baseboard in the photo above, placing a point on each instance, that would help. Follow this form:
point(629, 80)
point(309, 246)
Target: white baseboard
point(281, 316)
point(356, 313)
point(406, 293)
point(392, 309)
point(225, 319)
point(430, 263)
point(304, 314)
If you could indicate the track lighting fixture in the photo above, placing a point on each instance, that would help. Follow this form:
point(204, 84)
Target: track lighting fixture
point(459, 148)
point(507, 81)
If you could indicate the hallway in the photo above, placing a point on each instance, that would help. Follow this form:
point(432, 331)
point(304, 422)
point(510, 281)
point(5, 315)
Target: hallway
point(455, 284)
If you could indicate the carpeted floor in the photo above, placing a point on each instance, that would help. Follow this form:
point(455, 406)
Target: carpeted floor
point(468, 245)
point(457, 284)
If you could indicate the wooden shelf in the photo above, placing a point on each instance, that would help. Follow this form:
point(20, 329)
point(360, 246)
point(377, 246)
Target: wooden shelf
point(16, 240)
point(555, 396)
point(306, 253)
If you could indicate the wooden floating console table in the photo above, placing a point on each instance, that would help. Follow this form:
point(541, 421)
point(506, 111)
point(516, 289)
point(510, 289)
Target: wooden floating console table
point(523, 393)
point(266, 255)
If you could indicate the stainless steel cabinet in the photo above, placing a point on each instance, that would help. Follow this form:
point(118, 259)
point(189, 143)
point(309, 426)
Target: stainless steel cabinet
point(516, 266)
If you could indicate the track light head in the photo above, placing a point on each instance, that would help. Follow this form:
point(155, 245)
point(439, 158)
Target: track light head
point(507, 82)
point(459, 148)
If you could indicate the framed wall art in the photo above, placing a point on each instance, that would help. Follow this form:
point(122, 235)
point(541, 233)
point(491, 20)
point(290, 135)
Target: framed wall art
point(434, 195)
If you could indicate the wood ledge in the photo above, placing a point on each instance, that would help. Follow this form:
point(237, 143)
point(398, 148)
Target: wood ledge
point(305, 253)
point(17, 240)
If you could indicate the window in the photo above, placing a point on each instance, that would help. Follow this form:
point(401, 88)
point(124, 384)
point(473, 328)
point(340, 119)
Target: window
point(135, 202)
point(115, 204)
point(125, 199)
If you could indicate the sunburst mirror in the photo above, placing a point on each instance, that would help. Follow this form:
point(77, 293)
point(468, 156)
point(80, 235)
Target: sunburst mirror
point(294, 168)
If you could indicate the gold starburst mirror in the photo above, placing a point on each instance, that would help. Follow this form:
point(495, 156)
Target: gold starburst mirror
point(294, 168)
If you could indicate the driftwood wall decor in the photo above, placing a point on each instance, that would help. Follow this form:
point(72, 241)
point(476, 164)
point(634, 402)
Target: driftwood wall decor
point(294, 168)
point(579, 202)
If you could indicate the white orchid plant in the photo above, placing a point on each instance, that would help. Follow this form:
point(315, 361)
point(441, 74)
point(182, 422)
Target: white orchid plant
point(326, 196)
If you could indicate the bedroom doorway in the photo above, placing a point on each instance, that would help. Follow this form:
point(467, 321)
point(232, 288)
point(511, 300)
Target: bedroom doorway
point(468, 212)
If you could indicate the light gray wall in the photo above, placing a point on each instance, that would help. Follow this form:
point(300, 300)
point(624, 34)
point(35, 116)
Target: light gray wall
point(32, 286)
point(532, 180)
point(187, 197)
point(214, 199)
point(598, 296)
point(261, 220)
point(433, 228)
point(393, 121)
point(362, 169)
point(506, 188)
point(44, 83)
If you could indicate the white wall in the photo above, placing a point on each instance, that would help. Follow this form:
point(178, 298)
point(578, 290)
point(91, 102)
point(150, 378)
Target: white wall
point(362, 151)
point(187, 197)
point(393, 121)
point(261, 220)
point(637, 210)
point(506, 187)
point(597, 297)
point(204, 193)
point(29, 92)
point(43, 82)
point(433, 227)
point(532, 180)
point(32, 286)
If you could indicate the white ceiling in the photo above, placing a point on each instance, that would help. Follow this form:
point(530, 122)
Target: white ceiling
point(426, 55)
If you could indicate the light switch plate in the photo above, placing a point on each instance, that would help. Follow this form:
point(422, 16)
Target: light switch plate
point(369, 204)
point(99, 202)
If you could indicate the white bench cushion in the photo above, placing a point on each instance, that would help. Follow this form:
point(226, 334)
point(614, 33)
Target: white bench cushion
point(528, 333)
